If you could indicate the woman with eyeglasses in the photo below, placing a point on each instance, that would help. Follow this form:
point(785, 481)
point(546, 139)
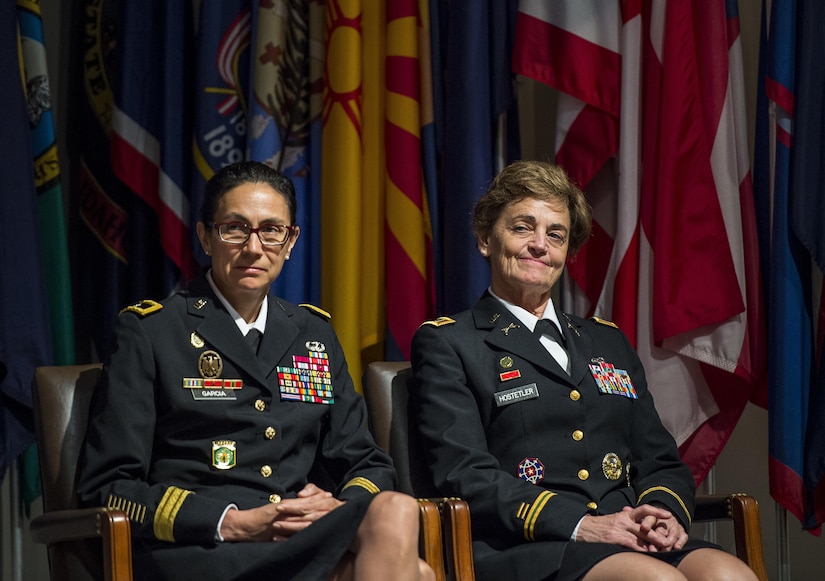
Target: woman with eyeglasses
point(227, 426)
point(543, 421)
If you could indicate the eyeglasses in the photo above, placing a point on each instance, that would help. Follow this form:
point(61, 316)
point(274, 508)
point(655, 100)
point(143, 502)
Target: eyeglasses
point(239, 233)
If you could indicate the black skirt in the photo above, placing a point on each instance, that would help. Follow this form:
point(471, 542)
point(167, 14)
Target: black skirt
point(556, 560)
point(310, 555)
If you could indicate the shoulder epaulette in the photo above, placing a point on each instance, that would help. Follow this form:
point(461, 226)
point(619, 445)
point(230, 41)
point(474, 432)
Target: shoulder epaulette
point(604, 322)
point(316, 310)
point(143, 308)
point(440, 321)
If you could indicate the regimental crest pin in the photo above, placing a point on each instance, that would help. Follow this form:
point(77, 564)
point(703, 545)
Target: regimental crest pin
point(223, 454)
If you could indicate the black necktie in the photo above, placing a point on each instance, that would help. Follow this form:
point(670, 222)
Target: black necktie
point(547, 327)
point(254, 339)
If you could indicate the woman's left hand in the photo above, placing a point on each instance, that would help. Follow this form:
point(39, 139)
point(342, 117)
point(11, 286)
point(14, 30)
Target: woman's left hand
point(661, 534)
point(295, 514)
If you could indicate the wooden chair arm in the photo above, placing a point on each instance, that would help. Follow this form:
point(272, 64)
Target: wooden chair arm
point(743, 510)
point(431, 544)
point(111, 526)
point(455, 517)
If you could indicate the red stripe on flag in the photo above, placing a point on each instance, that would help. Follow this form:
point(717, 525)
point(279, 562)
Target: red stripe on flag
point(626, 291)
point(402, 76)
point(694, 279)
point(403, 162)
point(408, 304)
point(568, 62)
point(780, 94)
point(589, 267)
point(583, 154)
point(143, 176)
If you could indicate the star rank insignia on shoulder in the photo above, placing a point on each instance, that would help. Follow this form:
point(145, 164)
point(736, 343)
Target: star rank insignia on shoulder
point(317, 310)
point(604, 322)
point(439, 322)
point(143, 308)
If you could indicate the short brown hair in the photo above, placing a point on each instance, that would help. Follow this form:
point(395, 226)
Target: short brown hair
point(541, 181)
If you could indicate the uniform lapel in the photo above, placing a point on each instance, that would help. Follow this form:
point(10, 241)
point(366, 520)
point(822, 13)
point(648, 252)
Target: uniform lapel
point(218, 329)
point(506, 332)
point(579, 347)
point(279, 337)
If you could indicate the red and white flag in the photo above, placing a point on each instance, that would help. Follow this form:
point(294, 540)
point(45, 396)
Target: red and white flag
point(651, 124)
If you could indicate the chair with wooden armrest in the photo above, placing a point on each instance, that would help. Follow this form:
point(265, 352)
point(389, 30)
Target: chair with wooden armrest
point(83, 544)
point(386, 389)
point(448, 551)
point(743, 511)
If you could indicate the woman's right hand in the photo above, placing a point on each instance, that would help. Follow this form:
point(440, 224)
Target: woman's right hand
point(634, 527)
point(276, 522)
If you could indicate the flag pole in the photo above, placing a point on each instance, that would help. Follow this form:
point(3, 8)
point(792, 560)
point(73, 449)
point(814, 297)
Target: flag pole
point(15, 511)
point(710, 488)
point(783, 559)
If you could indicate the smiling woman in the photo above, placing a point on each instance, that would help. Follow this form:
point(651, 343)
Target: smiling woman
point(543, 421)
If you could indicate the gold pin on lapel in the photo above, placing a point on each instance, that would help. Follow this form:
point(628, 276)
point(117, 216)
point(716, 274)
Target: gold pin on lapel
point(196, 341)
point(506, 330)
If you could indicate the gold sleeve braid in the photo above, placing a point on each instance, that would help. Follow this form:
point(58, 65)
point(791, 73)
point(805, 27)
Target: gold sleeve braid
point(363, 483)
point(530, 513)
point(135, 511)
point(166, 512)
point(670, 492)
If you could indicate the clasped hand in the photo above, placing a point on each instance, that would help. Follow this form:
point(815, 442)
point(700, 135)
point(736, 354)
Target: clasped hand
point(277, 522)
point(643, 528)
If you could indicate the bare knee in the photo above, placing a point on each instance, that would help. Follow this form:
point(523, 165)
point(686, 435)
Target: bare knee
point(715, 565)
point(425, 572)
point(392, 515)
point(632, 567)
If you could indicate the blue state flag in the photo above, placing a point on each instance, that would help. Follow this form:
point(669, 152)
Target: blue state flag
point(25, 337)
point(807, 214)
point(790, 311)
point(116, 246)
point(473, 42)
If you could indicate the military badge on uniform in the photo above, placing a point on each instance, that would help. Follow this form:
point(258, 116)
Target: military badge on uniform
point(506, 330)
point(611, 380)
point(223, 454)
point(309, 379)
point(506, 362)
point(196, 340)
point(209, 385)
point(316, 346)
point(210, 364)
point(612, 466)
point(531, 470)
